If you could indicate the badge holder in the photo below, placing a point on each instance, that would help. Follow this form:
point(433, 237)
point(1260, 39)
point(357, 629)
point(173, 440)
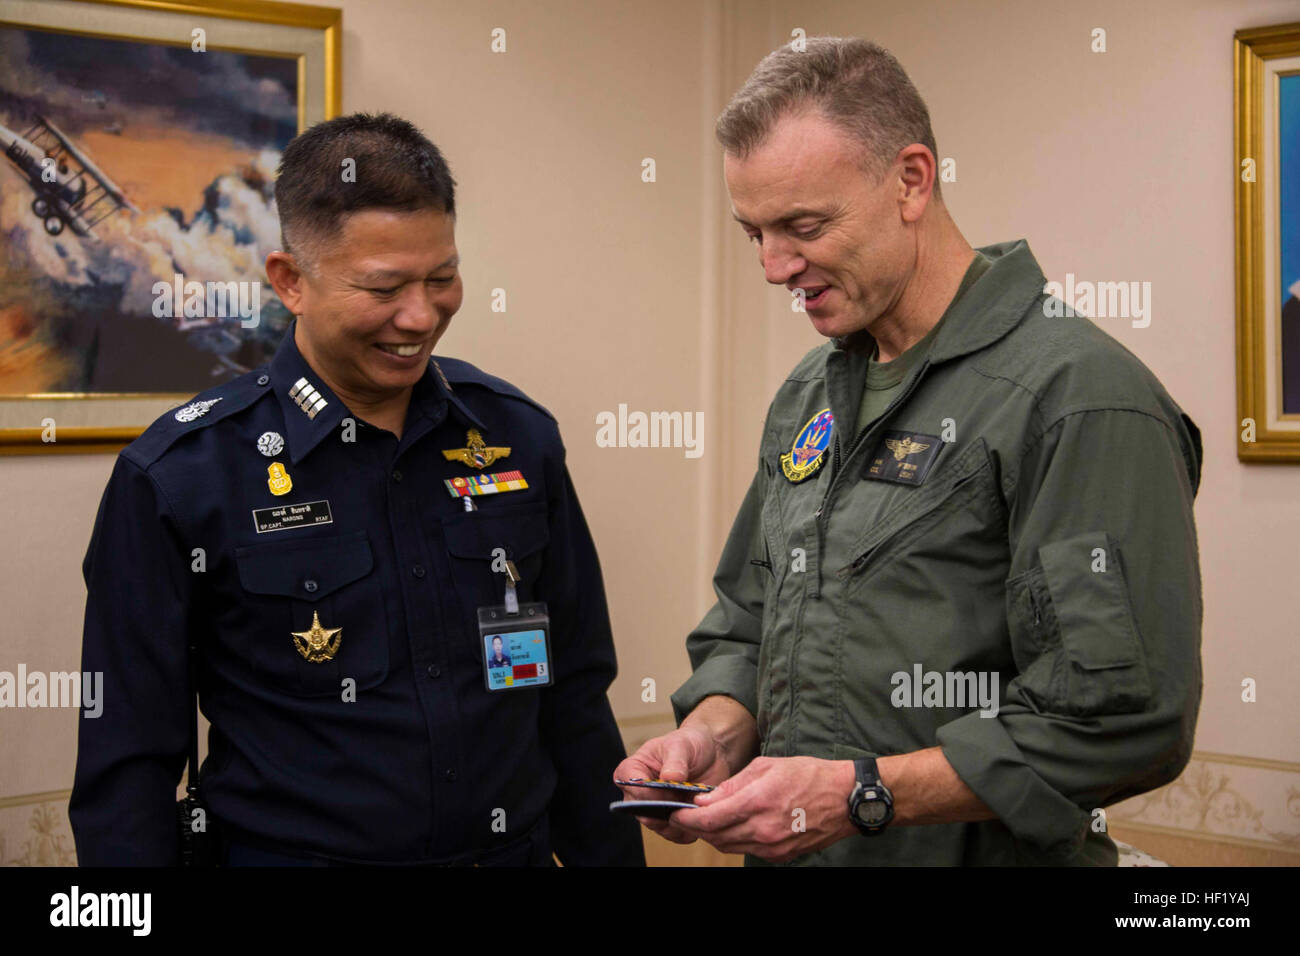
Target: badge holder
point(515, 640)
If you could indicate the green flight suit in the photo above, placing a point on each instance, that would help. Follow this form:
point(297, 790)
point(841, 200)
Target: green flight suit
point(1050, 542)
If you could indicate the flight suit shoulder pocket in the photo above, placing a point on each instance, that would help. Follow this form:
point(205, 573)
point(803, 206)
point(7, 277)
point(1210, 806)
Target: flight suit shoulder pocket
point(312, 614)
point(1091, 599)
point(1072, 630)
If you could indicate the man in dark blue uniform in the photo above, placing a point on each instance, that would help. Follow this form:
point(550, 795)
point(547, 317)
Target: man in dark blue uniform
point(329, 531)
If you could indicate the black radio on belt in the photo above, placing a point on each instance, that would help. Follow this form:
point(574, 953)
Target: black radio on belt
point(198, 835)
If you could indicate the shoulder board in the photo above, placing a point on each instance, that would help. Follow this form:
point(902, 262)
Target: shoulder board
point(203, 410)
point(459, 372)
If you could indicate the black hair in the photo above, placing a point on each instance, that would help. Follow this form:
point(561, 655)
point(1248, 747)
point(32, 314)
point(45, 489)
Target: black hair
point(393, 166)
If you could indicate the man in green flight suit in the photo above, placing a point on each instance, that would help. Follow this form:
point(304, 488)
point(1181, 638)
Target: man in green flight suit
point(959, 611)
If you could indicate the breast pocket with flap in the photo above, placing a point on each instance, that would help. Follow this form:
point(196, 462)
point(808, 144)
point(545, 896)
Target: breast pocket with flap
point(478, 544)
point(291, 586)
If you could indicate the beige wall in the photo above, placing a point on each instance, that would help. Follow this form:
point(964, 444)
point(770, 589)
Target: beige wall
point(1114, 166)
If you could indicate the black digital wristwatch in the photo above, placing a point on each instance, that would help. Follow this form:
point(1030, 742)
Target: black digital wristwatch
point(871, 805)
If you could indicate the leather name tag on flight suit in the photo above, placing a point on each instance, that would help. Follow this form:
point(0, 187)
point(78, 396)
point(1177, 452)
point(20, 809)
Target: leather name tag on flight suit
point(903, 457)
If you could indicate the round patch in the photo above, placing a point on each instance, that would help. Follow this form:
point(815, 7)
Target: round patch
point(805, 455)
point(270, 444)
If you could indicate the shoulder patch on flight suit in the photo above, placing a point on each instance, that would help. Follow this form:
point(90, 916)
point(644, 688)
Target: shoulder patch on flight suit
point(220, 402)
point(808, 452)
point(903, 457)
point(459, 372)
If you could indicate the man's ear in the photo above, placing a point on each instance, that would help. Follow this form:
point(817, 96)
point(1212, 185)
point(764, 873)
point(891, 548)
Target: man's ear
point(286, 279)
point(916, 177)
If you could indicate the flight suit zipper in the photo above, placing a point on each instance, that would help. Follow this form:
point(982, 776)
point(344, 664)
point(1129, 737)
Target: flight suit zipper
point(796, 639)
point(859, 441)
point(861, 560)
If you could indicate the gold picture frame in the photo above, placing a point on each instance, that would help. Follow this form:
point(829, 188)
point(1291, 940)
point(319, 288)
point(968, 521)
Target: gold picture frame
point(1267, 431)
point(310, 35)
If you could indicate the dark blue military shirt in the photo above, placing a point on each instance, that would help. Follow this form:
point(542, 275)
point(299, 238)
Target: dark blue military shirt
point(425, 764)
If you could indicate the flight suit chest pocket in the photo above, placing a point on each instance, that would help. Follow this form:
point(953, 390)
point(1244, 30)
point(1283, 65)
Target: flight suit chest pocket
point(912, 513)
point(315, 614)
point(479, 544)
point(1073, 635)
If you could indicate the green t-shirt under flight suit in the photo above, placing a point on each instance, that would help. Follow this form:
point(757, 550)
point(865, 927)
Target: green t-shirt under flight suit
point(885, 379)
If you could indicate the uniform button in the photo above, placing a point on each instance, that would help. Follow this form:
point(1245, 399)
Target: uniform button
point(397, 475)
point(263, 379)
point(418, 570)
point(435, 670)
point(310, 585)
point(451, 776)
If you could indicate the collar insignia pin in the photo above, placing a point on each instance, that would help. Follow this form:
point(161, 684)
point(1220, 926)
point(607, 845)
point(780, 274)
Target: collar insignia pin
point(270, 444)
point(278, 479)
point(307, 397)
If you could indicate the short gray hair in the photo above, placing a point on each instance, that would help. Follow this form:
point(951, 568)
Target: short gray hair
point(856, 84)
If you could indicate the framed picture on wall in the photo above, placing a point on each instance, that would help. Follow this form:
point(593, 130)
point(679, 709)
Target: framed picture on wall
point(140, 142)
point(1267, 143)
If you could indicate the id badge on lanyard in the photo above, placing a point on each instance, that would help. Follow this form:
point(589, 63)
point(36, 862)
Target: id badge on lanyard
point(515, 640)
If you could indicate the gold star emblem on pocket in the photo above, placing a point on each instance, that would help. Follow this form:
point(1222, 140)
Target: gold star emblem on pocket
point(318, 644)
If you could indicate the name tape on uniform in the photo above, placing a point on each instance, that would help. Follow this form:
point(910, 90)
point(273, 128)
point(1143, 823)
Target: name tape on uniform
point(283, 517)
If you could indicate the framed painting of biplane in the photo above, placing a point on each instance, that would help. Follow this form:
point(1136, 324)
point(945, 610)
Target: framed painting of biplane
point(1267, 134)
point(140, 141)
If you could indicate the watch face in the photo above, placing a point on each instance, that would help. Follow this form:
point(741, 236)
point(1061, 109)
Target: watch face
point(872, 812)
point(871, 809)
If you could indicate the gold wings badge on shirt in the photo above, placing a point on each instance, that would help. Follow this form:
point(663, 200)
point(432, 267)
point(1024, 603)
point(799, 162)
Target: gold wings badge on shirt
point(904, 447)
point(477, 454)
